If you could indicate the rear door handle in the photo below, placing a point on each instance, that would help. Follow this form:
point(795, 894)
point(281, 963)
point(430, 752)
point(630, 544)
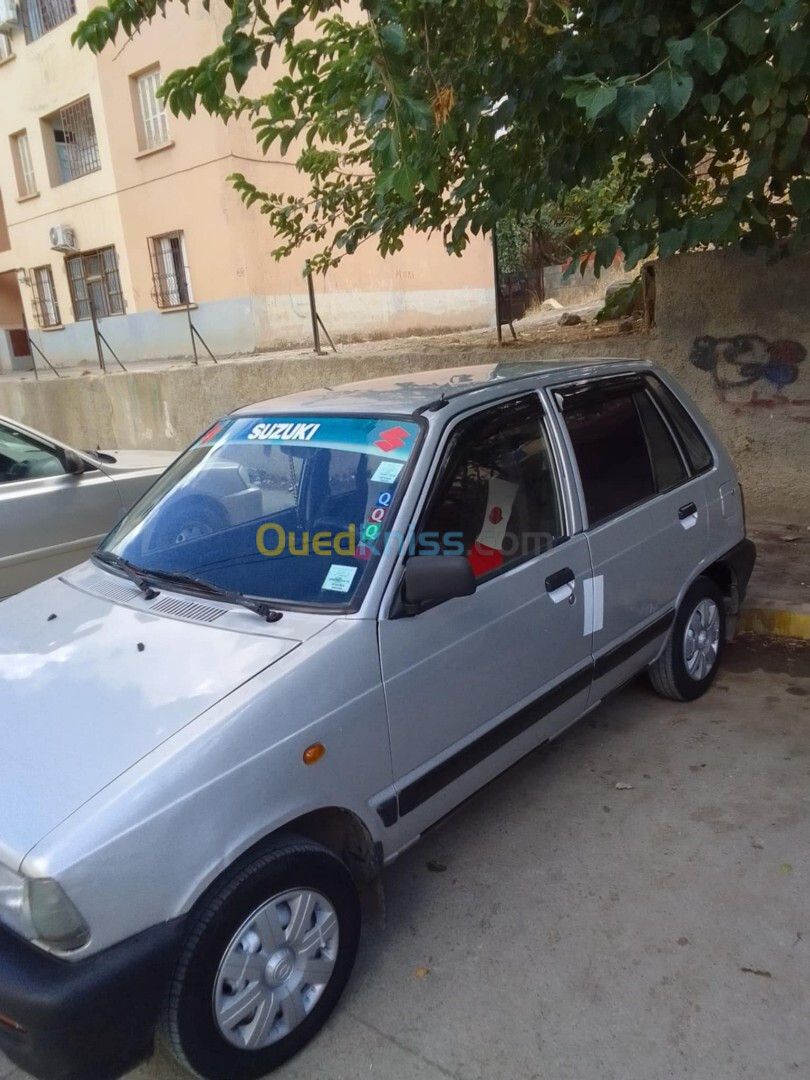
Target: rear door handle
point(688, 515)
point(561, 578)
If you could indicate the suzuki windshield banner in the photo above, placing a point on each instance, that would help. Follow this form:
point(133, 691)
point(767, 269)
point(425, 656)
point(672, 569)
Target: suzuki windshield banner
point(391, 439)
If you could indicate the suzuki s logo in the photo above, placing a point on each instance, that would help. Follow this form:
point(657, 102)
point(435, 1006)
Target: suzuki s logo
point(392, 439)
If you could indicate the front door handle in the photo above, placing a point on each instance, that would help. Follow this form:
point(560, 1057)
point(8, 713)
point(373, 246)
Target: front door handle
point(562, 586)
point(559, 579)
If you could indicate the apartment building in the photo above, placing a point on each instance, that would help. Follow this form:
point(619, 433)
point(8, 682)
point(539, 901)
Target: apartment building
point(110, 206)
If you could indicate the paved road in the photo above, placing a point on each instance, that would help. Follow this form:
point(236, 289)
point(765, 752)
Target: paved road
point(582, 932)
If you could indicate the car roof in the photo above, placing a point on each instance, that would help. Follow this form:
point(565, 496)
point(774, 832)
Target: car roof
point(410, 392)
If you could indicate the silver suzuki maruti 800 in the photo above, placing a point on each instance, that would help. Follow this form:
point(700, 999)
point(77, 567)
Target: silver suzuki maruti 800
point(336, 616)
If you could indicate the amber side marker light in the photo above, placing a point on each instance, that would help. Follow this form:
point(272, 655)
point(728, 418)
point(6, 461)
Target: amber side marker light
point(314, 753)
point(7, 1022)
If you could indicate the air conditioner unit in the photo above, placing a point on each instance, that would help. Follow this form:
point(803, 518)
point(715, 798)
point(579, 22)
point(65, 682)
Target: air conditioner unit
point(8, 15)
point(63, 238)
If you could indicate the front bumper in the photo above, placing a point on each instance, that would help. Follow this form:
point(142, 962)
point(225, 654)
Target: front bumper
point(88, 1019)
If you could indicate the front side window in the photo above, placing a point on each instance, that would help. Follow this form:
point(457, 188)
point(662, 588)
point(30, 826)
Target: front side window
point(23, 458)
point(284, 509)
point(170, 279)
point(496, 498)
point(46, 306)
point(93, 278)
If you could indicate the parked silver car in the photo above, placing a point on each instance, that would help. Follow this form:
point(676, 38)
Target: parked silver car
point(335, 617)
point(56, 503)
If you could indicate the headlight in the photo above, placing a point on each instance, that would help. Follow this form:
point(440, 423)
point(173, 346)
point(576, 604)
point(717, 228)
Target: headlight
point(38, 909)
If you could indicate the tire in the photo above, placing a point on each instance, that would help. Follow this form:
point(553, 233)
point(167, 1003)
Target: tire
point(683, 671)
point(239, 1003)
point(192, 518)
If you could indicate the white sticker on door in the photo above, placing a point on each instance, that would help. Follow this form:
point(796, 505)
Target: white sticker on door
point(593, 606)
point(339, 578)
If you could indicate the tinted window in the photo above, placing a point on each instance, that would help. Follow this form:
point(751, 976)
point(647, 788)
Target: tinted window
point(611, 452)
point(496, 497)
point(697, 451)
point(668, 465)
point(22, 458)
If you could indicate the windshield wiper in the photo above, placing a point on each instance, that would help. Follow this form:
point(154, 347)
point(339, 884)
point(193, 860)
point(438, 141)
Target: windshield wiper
point(144, 579)
point(208, 588)
point(109, 558)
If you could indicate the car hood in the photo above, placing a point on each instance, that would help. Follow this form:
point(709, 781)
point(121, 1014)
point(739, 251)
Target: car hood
point(88, 687)
point(135, 460)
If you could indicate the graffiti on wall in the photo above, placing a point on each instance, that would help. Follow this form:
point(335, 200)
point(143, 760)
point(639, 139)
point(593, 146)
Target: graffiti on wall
point(748, 370)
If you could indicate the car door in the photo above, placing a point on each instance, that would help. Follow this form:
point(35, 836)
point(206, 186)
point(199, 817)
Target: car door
point(473, 684)
point(646, 519)
point(50, 519)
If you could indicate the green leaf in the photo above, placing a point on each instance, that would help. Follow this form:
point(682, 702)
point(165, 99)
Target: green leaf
point(672, 89)
point(746, 30)
point(671, 241)
point(679, 50)
point(711, 104)
point(606, 249)
point(393, 36)
point(763, 82)
point(735, 88)
point(596, 99)
point(634, 105)
point(792, 53)
point(709, 51)
point(650, 25)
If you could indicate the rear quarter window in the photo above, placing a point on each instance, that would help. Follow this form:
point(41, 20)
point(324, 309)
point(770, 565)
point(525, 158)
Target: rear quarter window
point(694, 445)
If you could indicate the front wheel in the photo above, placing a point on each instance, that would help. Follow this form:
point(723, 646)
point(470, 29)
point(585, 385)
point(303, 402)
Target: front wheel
point(687, 666)
point(265, 961)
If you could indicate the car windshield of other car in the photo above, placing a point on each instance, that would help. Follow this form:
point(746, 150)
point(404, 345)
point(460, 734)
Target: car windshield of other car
point(288, 509)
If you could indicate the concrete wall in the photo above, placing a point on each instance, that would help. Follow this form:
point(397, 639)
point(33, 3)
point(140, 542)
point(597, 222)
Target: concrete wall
point(723, 321)
point(735, 330)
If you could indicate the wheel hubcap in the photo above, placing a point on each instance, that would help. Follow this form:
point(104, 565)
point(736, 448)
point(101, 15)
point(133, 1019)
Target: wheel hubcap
point(275, 969)
point(192, 532)
point(702, 640)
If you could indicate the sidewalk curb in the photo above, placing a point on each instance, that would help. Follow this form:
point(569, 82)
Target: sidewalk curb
point(775, 622)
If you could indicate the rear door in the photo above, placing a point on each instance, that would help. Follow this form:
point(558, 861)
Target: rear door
point(49, 519)
point(473, 684)
point(646, 519)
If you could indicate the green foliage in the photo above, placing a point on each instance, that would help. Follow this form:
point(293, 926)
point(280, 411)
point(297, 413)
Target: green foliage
point(626, 300)
point(449, 115)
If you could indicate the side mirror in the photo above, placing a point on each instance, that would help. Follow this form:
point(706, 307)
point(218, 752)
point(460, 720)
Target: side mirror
point(432, 579)
point(74, 463)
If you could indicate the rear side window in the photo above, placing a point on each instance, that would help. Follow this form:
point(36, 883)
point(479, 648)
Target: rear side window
point(695, 447)
point(668, 465)
point(611, 452)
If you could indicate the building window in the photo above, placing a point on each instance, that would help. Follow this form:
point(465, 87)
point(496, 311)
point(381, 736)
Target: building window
point(171, 286)
point(153, 125)
point(6, 51)
point(93, 278)
point(75, 146)
point(40, 16)
point(23, 166)
point(46, 306)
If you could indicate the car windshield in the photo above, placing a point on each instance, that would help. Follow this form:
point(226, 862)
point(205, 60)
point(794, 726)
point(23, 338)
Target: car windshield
point(283, 508)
